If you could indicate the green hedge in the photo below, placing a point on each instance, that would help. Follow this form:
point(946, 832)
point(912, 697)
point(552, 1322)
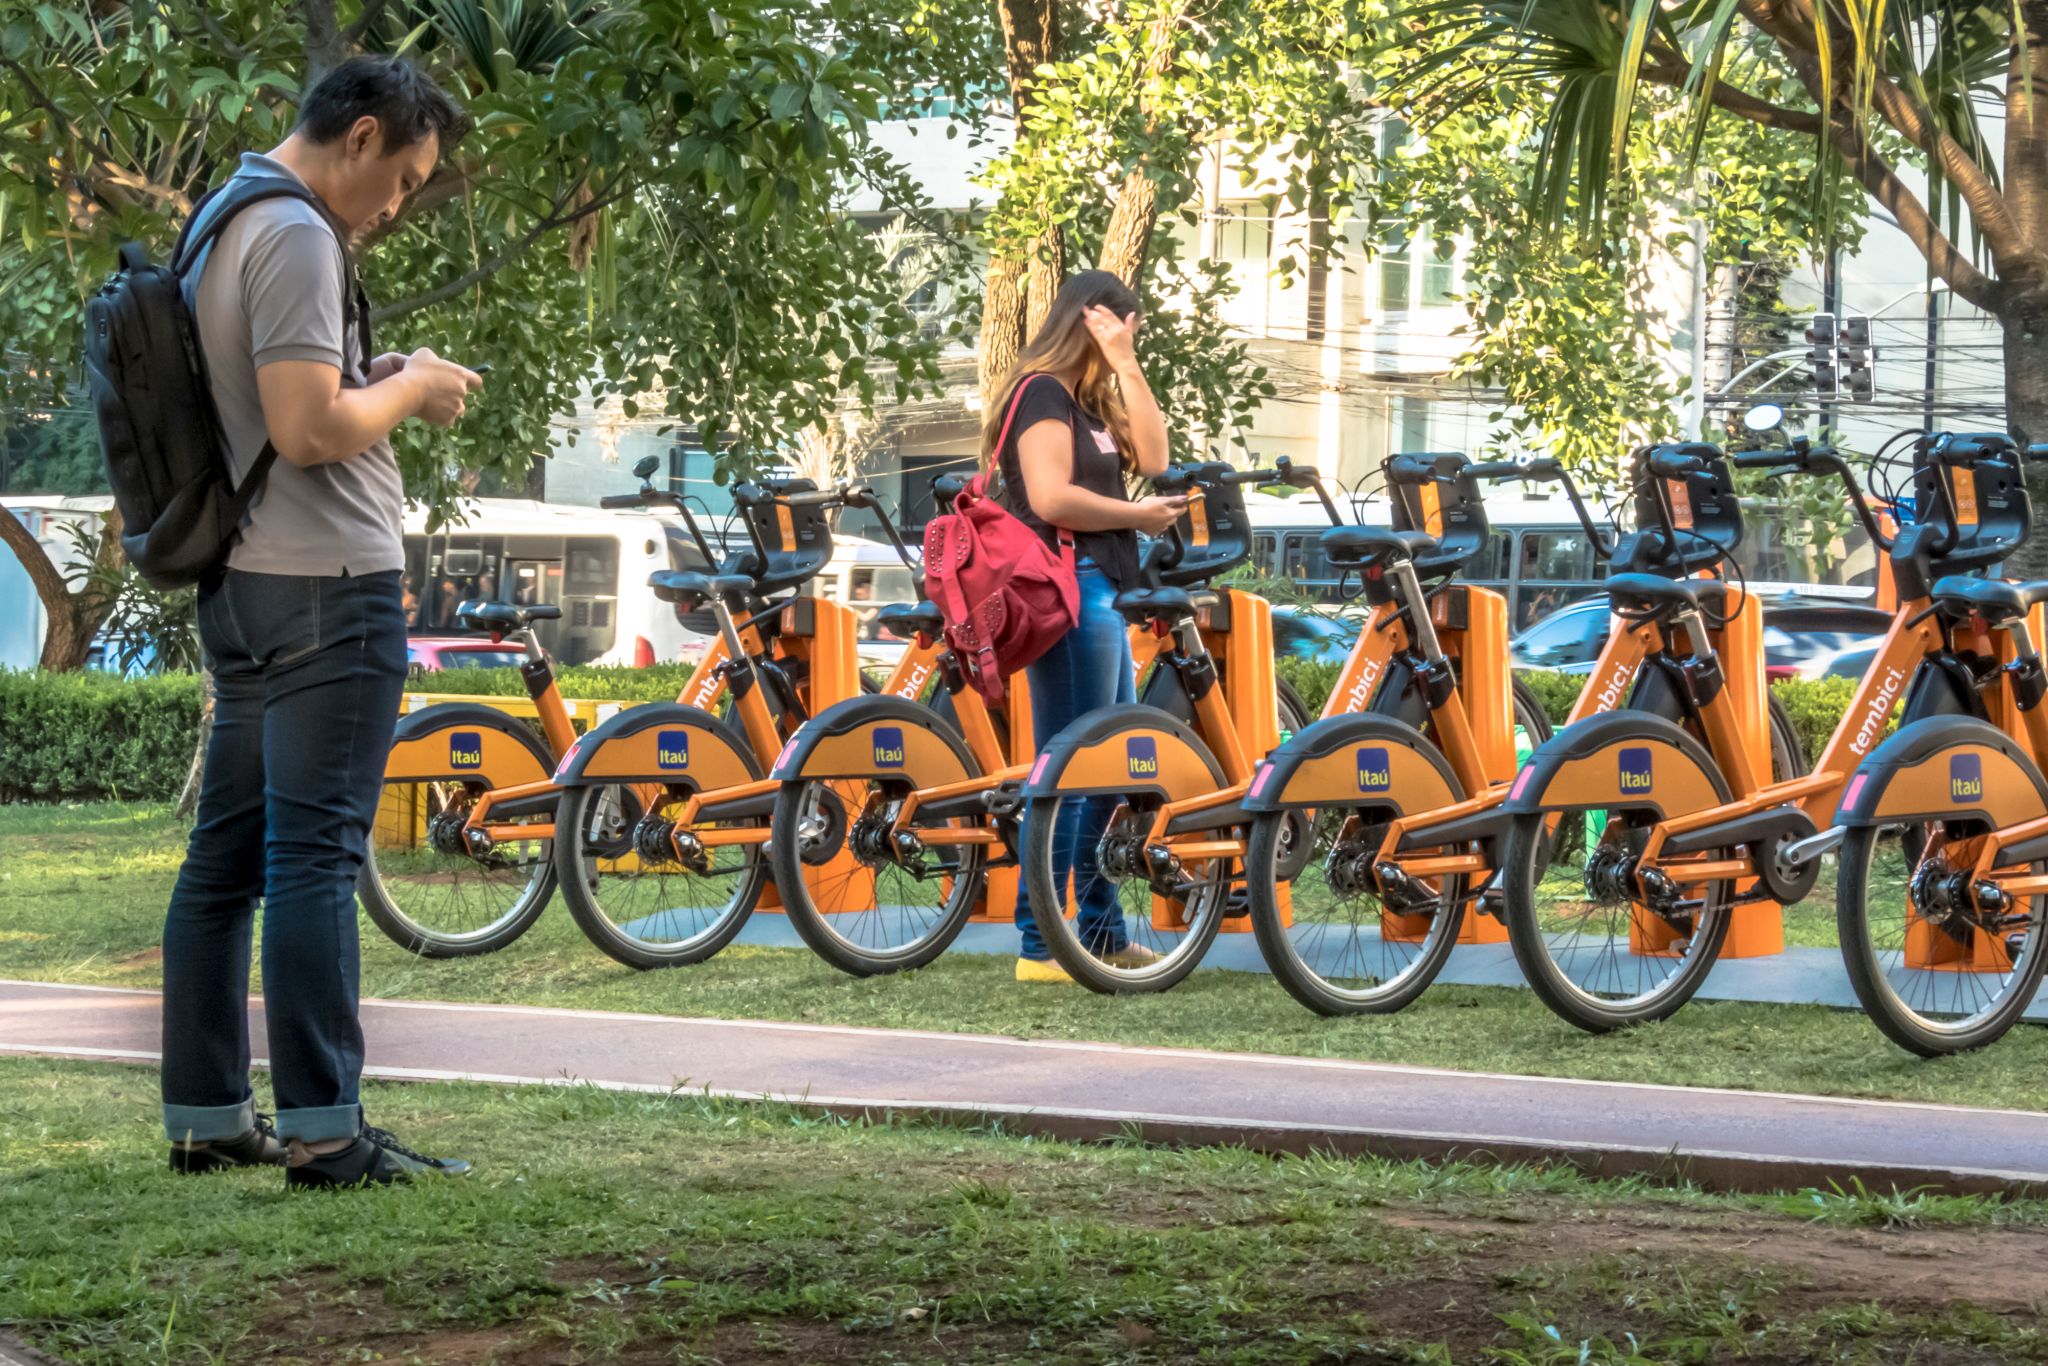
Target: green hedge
point(85, 737)
point(91, 736)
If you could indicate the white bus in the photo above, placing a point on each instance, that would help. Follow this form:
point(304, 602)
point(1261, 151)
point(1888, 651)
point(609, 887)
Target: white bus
point(1539, 558)
point(592, 564)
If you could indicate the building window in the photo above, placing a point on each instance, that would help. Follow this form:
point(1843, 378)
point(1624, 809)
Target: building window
point(1410, 425)
point(1395, 275)
point(1439, 273)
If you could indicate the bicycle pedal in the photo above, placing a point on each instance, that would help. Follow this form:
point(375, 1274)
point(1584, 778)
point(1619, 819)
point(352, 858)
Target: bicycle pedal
point(1006, 800)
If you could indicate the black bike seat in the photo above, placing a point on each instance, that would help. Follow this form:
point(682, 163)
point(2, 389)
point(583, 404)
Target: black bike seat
point(1656, 593)
point(690, 586)
point(1154, 604)
point(1991, 599)
point(504, 616)
point(1363, 547)
point(906, 619)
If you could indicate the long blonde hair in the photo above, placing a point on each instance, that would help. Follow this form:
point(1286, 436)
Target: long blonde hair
point(1065, 347)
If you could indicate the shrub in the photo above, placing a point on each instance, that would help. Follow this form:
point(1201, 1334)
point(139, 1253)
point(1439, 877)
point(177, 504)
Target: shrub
point(1815, 706)
point(1558, 693)
point(1311, 680)
point(600, 682)
point(91, 736)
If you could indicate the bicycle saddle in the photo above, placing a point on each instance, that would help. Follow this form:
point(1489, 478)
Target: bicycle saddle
point(906, 619)
point(1366, 547)
point(1992, 599)
point(1154, 604)
point(691, 587)
point(1658, 594)
point(504, 616)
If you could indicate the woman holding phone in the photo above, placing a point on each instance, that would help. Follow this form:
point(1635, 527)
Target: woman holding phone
point(1082, 426)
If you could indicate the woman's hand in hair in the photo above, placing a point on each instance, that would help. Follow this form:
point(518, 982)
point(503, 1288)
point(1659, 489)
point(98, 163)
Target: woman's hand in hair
point(1116, 337)
point(1155, 514)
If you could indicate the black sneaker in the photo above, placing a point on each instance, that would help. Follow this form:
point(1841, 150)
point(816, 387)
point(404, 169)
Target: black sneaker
point(374, 1159)
point(259, 1147)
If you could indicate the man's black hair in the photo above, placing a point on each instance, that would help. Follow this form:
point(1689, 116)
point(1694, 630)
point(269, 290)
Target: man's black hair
point(403, 99)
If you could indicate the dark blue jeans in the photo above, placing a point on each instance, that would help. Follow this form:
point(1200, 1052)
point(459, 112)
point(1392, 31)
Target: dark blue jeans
point(1090, 667)
point(307, 675)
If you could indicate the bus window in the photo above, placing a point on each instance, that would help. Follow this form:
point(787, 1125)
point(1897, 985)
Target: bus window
point(873, 587)
point(1553, 566)
point(590, 595)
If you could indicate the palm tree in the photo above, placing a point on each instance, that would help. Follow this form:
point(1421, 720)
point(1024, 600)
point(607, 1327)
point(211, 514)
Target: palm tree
point(1874, 81)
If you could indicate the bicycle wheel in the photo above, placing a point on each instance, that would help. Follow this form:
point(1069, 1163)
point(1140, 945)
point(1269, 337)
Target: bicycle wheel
point(864, 901)
point(629, 893)
point(1591, 950)
point(1142, 922)
point(422, 884)
point(1346, 951)
point(1935, 973)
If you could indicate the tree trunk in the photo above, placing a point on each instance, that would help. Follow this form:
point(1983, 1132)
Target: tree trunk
point(1002, 326)
point(188, 799)
point(324, 45)
point(1018, 293)
point(2022, 290)
point(1128, 240)
point(68, 635)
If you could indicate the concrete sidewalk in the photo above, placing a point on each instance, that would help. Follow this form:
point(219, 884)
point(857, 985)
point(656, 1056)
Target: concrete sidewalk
point(1722, 1139)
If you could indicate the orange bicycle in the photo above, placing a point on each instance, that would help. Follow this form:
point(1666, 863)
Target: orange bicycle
point(1695, 846)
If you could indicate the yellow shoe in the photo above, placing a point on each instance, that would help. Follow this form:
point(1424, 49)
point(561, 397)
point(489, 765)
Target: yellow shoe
point(1132, 956)
point(1032, 970)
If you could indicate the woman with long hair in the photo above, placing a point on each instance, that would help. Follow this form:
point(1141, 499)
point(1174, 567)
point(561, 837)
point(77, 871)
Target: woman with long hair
point(1084, 426)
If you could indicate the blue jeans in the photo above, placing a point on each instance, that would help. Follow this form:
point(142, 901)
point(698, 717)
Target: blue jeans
point(307, 678)
point(1089, 668)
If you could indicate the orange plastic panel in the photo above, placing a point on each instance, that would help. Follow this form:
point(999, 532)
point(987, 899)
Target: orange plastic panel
point(1755, 928)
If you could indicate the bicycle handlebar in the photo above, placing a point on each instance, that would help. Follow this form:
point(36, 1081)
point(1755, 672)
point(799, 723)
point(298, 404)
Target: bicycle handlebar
point(622, 500)
point(1674, 466)
point(1547, 467)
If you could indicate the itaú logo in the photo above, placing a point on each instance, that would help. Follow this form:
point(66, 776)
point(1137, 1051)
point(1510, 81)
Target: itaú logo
point(888, 746)
point(1879, 711)
point(1634, 765)
point(1966, 778)
point(465, 749)
point(1141, 754)
point(672, 749)
point(1375, 774)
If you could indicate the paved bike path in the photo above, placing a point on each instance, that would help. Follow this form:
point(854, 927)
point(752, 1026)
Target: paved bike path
point(1060, 1088)
point(1798, 976)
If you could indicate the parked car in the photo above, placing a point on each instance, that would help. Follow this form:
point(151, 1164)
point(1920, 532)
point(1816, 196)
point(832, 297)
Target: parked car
point(430, 654)
point(1319, 637)
point(1797, 632)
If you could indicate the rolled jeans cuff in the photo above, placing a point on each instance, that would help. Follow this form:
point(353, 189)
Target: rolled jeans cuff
point(208, 1123)
point(315, 1124)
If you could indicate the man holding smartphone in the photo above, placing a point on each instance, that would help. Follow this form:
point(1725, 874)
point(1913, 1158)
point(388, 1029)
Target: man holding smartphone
point(305, 634)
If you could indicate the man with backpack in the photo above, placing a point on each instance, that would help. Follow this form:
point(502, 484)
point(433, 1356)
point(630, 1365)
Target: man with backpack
point(301, 611)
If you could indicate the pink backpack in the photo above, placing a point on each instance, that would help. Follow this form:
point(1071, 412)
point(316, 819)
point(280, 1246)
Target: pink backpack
point(1006, 596)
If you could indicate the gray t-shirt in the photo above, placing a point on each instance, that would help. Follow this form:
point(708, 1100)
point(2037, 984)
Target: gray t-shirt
point(273, 287)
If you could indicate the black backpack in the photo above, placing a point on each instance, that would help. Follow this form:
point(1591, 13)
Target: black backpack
point(166, 452)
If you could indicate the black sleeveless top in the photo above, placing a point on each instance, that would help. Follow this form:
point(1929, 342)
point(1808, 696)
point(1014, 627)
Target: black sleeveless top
point(1096, 468)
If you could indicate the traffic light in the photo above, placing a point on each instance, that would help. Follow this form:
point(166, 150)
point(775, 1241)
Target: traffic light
point(1858, 360)
point(1823, 355)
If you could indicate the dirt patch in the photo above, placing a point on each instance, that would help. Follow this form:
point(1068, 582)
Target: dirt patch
point(144, 957)
point(1905, 1269)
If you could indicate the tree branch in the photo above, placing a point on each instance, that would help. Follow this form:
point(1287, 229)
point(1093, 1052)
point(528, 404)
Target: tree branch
point(54, 593)
point(1738, 102)
point(513, 251)
point(373, 10)
point(1790, 24)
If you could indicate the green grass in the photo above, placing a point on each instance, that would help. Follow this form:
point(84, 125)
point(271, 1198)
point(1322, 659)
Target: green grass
point(638, 1228)
point(82, 892)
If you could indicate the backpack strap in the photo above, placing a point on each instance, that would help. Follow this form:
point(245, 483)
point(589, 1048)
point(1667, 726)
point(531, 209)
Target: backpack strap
point(1060, 533)
point(210, 217)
